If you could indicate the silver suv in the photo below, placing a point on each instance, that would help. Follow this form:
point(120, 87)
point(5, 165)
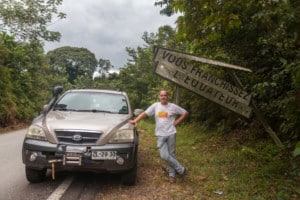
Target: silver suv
point(82, 130)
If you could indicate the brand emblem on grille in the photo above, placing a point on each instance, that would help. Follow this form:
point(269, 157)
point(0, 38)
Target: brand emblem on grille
point(76, 138)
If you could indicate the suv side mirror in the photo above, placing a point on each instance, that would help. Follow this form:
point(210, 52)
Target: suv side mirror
point(57, 90)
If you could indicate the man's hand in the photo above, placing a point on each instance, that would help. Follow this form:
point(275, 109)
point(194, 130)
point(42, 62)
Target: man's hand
point(182, 117)
point(135, 121)
point(132, 122)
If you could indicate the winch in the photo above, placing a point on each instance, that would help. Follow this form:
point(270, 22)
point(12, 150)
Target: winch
point(72, 156)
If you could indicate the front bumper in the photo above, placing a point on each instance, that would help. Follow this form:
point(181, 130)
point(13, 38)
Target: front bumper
point(41, 154)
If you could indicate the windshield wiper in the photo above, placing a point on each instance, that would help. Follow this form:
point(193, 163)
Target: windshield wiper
point(96, 110)
point(65, 109)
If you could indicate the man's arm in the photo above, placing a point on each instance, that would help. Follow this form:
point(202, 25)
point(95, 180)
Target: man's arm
point(181, 118)
point(139, 117)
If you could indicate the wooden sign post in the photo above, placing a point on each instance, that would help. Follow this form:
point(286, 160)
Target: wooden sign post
point(177, 67)
point(174, 66)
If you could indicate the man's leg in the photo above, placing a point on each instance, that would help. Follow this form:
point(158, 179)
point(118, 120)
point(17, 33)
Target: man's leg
point(165, 153)
point(171, 144)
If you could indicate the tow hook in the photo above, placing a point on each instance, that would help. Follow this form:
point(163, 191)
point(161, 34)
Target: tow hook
point(53, 166)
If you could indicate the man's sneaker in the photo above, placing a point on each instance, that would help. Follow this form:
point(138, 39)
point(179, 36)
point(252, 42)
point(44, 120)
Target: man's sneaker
point(172, 179)
point(184, 173)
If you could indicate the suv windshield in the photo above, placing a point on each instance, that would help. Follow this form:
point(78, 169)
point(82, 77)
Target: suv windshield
point(93, 102)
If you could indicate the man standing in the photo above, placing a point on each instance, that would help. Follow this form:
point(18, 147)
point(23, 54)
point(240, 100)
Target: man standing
point(165, 114)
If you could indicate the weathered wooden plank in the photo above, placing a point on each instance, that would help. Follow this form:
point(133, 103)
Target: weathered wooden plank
point(171, 58)
point(159, 50)
point(170, 72)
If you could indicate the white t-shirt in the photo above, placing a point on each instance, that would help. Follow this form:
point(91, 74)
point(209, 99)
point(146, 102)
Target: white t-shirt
point(164, 117)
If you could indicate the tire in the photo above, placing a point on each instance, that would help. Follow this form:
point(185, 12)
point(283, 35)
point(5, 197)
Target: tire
point(35, 175)
point(129, 178)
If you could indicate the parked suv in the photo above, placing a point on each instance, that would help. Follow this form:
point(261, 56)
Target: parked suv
point(84, 130)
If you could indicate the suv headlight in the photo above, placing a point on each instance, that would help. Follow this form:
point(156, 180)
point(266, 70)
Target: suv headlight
point(36, 132)
point(121, 136)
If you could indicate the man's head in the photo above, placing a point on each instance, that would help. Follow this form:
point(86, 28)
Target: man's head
point(163, 97)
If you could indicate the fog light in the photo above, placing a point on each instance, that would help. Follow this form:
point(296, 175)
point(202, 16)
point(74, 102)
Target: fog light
point(120, 161)
point(33, 156)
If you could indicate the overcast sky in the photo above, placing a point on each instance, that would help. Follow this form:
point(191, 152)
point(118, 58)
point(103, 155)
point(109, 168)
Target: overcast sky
point(107, 27)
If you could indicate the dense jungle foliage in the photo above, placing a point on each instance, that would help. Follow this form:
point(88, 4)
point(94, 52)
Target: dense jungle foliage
point(262, 35)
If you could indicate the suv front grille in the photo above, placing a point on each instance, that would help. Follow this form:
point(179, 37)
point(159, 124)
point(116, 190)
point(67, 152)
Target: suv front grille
point(77, 136)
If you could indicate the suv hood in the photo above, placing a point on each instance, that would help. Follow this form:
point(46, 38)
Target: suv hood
point(83, 120)
point(91, 121)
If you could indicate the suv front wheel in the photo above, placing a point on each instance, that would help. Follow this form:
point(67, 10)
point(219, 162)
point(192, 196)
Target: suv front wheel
point(35, 175)
point(129, 178)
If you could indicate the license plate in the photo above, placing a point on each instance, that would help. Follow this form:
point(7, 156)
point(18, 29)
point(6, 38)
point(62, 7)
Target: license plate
point(104, 155)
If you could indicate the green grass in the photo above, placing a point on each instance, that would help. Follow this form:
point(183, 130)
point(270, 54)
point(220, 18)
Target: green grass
point(237, 164)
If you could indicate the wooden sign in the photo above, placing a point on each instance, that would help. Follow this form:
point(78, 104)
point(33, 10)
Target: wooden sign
point(175, 67)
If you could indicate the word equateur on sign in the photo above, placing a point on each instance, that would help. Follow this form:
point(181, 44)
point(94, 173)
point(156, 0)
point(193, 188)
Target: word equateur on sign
point(178, 70)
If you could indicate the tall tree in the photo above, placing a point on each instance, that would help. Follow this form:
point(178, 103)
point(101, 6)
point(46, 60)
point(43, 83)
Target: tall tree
point(23, 79)
point(7, 104)
point(72, 62)
point(137, 78)
point(105, 65)
point(261, 35)
point(29, 20)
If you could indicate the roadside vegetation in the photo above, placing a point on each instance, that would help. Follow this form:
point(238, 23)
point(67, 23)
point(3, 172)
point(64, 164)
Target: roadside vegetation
point(230, 166)
point(225, 152)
